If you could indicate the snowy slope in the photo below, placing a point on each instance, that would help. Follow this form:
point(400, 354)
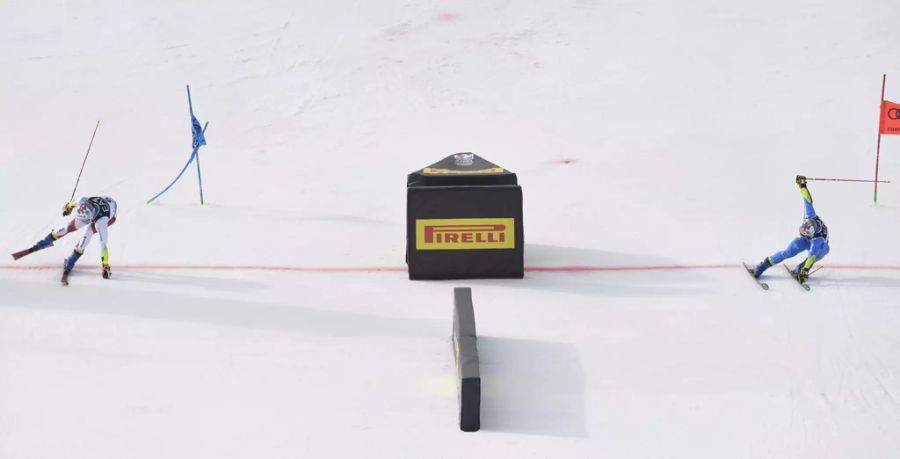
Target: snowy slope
point(646, 134)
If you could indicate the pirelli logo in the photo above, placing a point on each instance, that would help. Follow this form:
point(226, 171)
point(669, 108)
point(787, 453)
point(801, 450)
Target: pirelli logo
point(465, 234)
point(436, 171)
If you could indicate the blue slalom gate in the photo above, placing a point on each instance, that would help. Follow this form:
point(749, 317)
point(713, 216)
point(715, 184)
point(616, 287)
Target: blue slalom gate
point(198, 140)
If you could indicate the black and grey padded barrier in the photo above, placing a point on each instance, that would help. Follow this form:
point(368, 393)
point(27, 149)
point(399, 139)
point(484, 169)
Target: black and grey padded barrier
point(465, 351)
point(464, 221)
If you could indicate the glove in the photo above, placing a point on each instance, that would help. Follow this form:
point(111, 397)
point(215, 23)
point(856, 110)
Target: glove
point(107, 271)
point(801, 180)
point(67, 208)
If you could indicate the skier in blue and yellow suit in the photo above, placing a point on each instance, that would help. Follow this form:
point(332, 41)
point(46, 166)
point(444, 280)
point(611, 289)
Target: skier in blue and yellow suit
point(813, 237)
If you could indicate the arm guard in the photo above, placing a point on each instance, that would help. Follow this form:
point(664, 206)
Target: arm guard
point(808, 210)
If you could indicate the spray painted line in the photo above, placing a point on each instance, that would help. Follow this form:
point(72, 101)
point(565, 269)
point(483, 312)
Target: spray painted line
point(217, 268)
point(586, 269)
point(399, 269)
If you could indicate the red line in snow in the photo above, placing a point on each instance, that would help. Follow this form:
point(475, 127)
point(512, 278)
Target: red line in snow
point(220, 268)
point(585, 269)
point(399, 269)
point(876, 267)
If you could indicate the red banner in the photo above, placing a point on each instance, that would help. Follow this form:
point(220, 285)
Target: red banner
point(890, 118)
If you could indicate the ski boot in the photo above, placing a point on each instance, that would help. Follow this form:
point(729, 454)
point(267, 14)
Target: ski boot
point(68, 264)
point(800, 273)
point(761, 267)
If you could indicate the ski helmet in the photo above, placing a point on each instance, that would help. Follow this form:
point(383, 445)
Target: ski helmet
point(808, 228)
point(85, 212)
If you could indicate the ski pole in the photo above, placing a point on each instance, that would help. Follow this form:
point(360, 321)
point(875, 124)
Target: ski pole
point(85, 161)
point(847, 180)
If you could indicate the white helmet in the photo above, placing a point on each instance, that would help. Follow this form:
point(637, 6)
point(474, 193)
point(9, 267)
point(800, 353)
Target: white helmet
point(808, 228)
point(85, 212)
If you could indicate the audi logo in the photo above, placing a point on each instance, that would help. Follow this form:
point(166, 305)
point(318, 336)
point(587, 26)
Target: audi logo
point(894, 114)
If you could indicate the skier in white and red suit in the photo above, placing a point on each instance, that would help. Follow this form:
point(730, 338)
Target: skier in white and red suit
point(95, 214)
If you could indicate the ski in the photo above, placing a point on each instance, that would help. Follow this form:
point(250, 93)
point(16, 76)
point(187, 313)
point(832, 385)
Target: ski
point(65, 276)
point(22, 253)
point(802, 284)
point(762, 284)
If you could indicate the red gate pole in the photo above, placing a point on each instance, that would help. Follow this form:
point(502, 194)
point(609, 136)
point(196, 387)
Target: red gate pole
point(878, 148)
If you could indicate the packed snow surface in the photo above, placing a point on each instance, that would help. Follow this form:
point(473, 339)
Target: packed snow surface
point(656, 143)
